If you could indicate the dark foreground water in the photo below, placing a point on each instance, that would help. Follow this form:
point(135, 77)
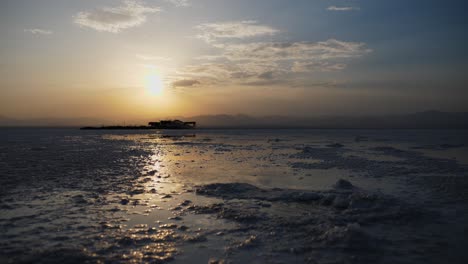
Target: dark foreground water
point(233, 196)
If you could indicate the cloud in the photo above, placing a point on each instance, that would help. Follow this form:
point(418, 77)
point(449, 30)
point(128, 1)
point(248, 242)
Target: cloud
point(281, 51)
point(269, 75)
point(130, 13)
point(179, 3)
point(212, 73)
point(223, 73)
point(343, 8)
point(299, 66)
point(208, 72)
point(234, 30)
point(264, 63)
point(39, 31)
point(273, 63)
point(185, 83)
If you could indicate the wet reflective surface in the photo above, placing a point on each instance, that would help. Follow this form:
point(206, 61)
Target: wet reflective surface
point(240, 196)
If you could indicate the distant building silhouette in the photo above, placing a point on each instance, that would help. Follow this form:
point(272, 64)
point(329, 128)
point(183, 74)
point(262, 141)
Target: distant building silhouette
point(172, 124)
point(163, 124)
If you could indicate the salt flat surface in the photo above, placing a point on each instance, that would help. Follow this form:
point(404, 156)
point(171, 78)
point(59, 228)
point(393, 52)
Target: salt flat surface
point(233, 196)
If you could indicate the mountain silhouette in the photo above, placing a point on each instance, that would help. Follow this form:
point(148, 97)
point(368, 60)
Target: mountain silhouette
point(420, 120)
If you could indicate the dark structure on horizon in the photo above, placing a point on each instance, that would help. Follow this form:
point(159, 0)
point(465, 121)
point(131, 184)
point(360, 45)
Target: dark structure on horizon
point(172, 124)
point(163, 124)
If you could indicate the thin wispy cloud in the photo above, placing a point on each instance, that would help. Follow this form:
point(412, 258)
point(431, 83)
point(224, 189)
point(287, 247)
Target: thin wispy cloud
point(179, 3)
point(130, 13)
point(211, 32)
point(280, 51)
point(319, 66)
point(343, 8)
point(205, 74)
point(38, 31)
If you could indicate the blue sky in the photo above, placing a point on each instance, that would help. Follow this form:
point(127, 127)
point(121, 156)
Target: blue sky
point(188, 57)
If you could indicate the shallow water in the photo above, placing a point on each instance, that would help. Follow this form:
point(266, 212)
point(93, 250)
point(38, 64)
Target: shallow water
point(255, 196)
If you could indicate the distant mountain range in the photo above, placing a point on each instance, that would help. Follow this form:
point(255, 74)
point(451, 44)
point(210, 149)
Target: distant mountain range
point(428, 119)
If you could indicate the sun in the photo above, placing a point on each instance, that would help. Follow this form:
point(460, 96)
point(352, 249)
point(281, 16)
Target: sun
point(154, 83)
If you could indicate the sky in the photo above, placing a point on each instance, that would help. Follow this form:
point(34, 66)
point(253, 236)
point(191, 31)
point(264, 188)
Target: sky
point(132, 60)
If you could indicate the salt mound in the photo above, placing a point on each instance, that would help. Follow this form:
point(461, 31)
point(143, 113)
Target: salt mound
point(343, 184)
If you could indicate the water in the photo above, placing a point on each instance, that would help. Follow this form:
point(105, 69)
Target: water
point(256, 196)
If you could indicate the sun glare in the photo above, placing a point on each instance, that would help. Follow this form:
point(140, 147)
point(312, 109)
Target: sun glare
point(154, 83)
